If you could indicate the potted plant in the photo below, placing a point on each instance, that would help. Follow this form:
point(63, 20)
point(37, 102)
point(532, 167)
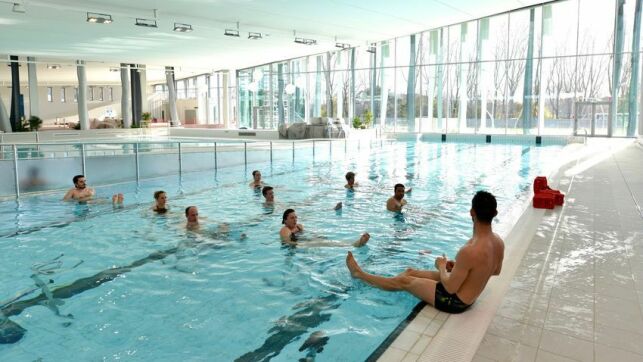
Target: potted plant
point(146, 119)
point(368, 119)
point(35, 123)
point(357, 122)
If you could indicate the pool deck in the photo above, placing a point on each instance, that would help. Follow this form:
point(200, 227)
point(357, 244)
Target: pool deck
point(574, 291)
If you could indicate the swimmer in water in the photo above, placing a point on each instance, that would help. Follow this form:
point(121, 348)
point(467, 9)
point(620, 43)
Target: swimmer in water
point(396, 201)
point(268, 194)
point(192, 224)
point(291, 231)
point(160, 202)
point(82, 193)
point(256, 182)
point(350, 181)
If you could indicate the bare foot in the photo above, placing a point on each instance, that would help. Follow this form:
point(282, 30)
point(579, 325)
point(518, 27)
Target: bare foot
point(362, 240)
point(338, 206)
point(352, 265)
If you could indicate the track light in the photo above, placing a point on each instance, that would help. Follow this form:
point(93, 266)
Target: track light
point(149, 23)
point(371, 48)
point(305, 41)
point(231, 32)
point(53, 66)
point(254, 36)
point(19, 8)
point(183, 28)
point(342, 45)
point(99, 18)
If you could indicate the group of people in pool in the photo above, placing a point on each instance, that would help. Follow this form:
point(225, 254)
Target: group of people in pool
point(452, 288)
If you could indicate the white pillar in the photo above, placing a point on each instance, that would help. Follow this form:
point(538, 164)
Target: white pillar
point(126, 111)
point(83, 116)
point(5, 123)
point(145, 104)
point(34, 101)
point(225, 99)
point(171, 90)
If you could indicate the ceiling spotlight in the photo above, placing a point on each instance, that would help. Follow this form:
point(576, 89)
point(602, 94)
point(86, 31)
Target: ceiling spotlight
point(183, 28)
point(305, 41)
point(99, 18)
point(53, 66)
point(149, 23)
point(231, 32)
point(19, 8)
point(114, 69)
point(254, 36)
point(342, 45)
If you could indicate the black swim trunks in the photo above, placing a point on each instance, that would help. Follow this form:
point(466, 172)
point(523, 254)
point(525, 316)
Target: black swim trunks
point(449, 303)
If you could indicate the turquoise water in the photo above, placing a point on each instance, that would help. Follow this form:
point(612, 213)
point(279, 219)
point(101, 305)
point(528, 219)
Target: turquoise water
point(207, 297)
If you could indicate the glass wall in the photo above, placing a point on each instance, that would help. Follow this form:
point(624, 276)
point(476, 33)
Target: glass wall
point(550, 69)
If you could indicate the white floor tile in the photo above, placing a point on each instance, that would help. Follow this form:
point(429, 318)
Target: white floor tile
point(609, 354)
point(567, 346)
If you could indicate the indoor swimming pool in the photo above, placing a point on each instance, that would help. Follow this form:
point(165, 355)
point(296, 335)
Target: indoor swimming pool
point(94, 281)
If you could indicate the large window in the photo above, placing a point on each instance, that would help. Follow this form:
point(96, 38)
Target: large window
point(546, 69)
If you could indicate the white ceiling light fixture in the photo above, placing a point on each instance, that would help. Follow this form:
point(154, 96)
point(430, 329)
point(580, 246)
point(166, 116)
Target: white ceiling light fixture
point(19, 8)
point(148, 23)
point(114, 69)
point(372, 48)
point(231, 32)
point(305, 41)
point(99, 18)
point(182, 28)
point(254, 36)
point(343, 46)
point(53, 66)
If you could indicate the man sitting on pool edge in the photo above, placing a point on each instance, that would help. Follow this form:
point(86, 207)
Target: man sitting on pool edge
point(454, 290)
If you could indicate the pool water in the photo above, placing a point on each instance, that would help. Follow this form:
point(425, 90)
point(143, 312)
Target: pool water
point(153, 291)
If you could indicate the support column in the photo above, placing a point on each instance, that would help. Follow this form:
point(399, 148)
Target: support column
point(5, 123)
point(34, 101)
point(617, 64)
point(410, 89)
point(135, 80)
point(440, 82)
point(280, 94)
point(171, 90)
point(634, 80)
point(529, 70)
point(126, 112)
point(142, 77)
point(373, 79)
point(83, 114)
point(15, 93)
point(351, 101)
point(225, 96)
point(483, 37)
point(462, 81)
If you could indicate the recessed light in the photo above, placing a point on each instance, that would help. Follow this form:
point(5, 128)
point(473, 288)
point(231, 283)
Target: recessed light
point(183, 28)
point(99, 18)
point(53, 66)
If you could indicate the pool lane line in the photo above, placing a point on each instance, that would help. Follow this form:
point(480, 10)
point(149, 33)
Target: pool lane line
point(11, 332)
point(290, 328)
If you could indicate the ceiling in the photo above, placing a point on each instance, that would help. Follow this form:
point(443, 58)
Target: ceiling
point(57, 30)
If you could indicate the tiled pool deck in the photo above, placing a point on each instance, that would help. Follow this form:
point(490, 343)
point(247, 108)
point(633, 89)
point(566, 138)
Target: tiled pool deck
point(577, 293)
